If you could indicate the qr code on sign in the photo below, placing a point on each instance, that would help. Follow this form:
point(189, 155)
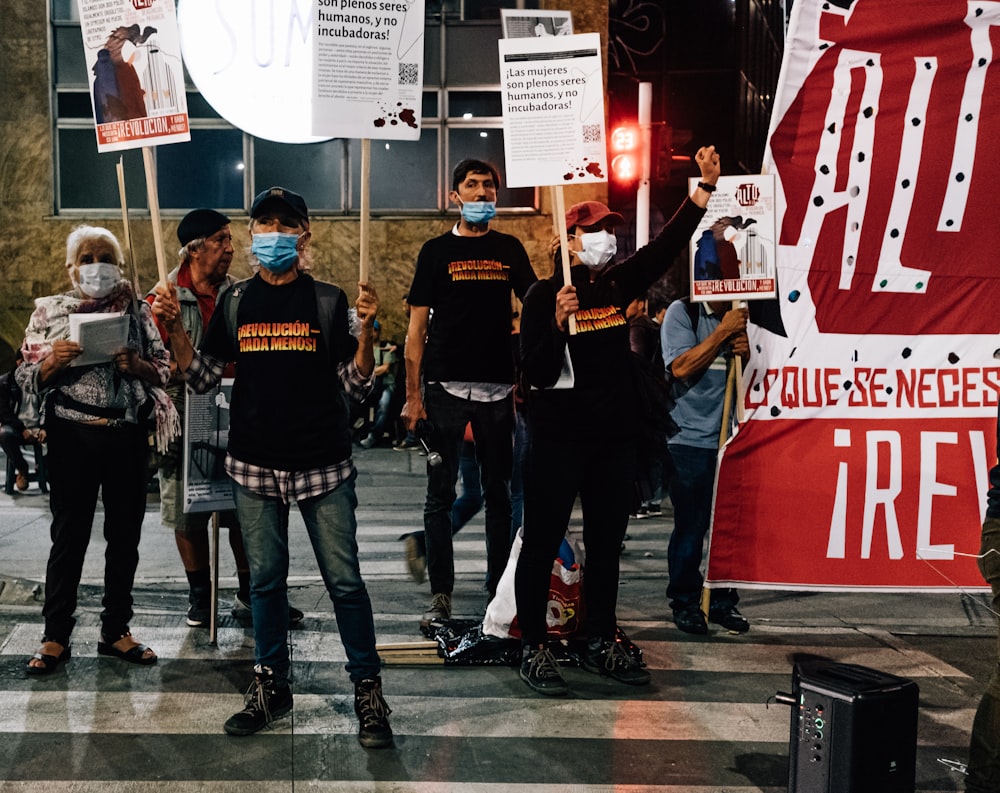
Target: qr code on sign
point(591, 133)
point(408, 73)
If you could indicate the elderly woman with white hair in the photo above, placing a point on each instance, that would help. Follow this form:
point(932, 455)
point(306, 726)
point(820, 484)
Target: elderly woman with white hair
point(96, 417)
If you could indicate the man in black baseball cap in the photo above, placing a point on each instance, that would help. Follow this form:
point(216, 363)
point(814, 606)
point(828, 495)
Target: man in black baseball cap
point(297, 363)
point(278, 199)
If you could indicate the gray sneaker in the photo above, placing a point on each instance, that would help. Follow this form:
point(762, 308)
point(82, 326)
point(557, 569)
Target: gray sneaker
point(439, 611)
point(416, 559)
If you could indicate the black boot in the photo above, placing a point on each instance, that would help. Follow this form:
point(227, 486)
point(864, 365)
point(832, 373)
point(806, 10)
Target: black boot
point(373, 714)
point(265, 701)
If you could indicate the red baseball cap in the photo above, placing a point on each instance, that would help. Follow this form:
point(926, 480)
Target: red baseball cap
point(590, 213)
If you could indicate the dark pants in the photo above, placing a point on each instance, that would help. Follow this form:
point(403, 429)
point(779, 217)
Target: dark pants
point(466, 505)
point(984, 746)
point(691, 485)
point(492, 427)
point(10, 441)
point(83, 460)
point(602, 474)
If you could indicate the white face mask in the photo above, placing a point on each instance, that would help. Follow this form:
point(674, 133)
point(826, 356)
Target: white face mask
point(97, 279)
point(599, 247)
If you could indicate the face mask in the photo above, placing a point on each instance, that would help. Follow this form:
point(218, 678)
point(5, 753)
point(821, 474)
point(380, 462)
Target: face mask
point(275, 251)
point(479, 212)
point(97, 279)
point(599, 247)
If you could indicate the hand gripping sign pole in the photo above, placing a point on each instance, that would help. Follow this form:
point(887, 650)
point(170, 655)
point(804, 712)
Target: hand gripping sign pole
point(560, 212)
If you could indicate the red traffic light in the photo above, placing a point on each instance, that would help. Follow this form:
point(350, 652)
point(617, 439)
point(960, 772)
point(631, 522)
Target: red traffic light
point(624, 145)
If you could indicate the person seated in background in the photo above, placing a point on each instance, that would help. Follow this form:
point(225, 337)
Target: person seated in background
point(385, 386)
point(13, 431)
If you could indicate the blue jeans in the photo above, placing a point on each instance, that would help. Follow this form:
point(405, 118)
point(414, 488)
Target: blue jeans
point(691, 484)
point(382, 413)
point(331, 524)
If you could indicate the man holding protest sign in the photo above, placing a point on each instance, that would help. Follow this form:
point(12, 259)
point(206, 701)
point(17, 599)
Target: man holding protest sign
point(584, 427)
point(698, 346)
point(290, 440)
point(464, 361)
point(206, 255)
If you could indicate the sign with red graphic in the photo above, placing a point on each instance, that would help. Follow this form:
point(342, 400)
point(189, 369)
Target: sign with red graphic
point(871, 398)
point(733, 248)
point(133, 53)
point(552, 91)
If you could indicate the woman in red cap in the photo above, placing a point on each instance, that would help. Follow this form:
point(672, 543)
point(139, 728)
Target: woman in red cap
point(583, 427)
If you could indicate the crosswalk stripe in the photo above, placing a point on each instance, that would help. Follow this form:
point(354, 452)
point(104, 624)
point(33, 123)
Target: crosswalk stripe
point(133, 712)
point(739, 656)
point(374, 786)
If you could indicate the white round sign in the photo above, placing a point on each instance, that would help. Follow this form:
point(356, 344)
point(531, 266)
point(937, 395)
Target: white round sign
point(253, 62)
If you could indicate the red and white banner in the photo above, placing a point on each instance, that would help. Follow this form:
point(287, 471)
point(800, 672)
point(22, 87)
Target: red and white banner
point(871, 401)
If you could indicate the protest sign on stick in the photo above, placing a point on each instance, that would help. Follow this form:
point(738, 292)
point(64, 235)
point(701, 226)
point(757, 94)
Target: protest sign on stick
point(552, 89)
point(368, 82)
point(133, 51)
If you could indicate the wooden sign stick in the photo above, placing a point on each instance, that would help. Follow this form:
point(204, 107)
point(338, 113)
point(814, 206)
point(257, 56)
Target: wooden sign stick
point(560, 212)
point(366, 168)
point(154, 212)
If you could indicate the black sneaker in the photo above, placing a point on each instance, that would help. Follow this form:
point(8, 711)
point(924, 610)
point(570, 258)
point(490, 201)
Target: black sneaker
point(540, 671)
point(374, 731)
point(729, 618)
point(439, 610)
point(199, 613)
point(243, 614)
point(610, 659)
point(265, 702)
point(691, 620)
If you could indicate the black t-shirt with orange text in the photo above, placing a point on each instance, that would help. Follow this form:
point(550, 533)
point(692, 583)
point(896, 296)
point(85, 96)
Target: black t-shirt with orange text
point(467, 282)
point(288, 408)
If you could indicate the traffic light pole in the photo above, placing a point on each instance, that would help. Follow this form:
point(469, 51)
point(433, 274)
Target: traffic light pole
point(645, 158)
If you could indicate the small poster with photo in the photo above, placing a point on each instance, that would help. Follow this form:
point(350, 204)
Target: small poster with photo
point(207, 487)
point(534, 23)
point(733, 251)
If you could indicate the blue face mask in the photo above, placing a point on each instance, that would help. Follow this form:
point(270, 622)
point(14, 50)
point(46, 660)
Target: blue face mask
point(275, 251)
point(479, 212)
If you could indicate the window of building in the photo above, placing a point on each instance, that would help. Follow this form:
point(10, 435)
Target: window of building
point(224, 167)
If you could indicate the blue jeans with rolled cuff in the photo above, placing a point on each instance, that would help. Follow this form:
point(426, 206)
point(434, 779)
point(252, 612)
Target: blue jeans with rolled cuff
point(332, 528)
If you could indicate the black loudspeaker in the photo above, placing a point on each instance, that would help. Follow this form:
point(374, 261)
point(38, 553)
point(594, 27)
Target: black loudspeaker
point(854, 730)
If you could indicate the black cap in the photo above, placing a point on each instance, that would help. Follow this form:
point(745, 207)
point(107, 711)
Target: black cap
point(293, 201)
point(200, 223)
